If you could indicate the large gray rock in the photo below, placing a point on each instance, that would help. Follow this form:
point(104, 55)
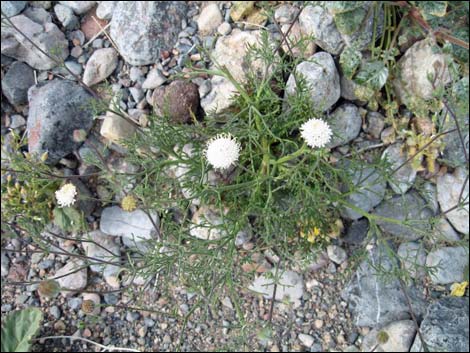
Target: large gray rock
point(346, 124)
point(375, 301)
point(321, 78)
point(46, 36)
point(135, 225)
point(445, 326)
point(66, 16)
point(404, 177)
point(411, 211)
point(100, 65)
point(56, 110)
point(157, 28)
point(290, 285)
point(18, 79)
point(415, 66)
point(13, 8)
point(400, 334)
point(413, 258)
point(449, 189)
point(369, 193)
point(448, 264)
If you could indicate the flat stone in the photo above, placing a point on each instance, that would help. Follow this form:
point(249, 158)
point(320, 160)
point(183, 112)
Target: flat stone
point(134, 225)
point(75, 281)
point(79, 7)
point(445, 326)
point(306, 340)
point(449, 264)
point(13, 8)
point(116, 128)
point(400, 335)
point(413, 258)
point(346, 124)
point(154, 79)
point(409, 208)
point(403, 178)
point(290, 285)
point(449, 188)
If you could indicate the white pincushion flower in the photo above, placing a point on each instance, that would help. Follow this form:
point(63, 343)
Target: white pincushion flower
point(66, 195)
point(222, 151)
point(316, 133)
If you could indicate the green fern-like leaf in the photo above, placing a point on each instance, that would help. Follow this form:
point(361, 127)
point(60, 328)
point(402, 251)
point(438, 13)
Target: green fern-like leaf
point(19, 328)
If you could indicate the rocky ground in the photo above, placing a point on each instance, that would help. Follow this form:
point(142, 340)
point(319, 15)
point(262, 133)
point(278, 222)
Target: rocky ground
point(328, 306)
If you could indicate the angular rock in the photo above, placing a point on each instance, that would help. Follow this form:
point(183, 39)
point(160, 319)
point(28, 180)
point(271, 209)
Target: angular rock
point(106, 249)
point(116, 128)
point(401, 335)
point(321, 78)
point(66, 16)
point(443, 232)
point(375, 123)
point(241, 9)
point(134, 225)
point(140, 42)
point(357, 232)
point(445, 326)
point(48, 37)
point(306, 340)
point(154, 79)
point(318, 22)
point(403, 178)
point(56, 110)
point(449, 264)
point(449, 189)
point(220, 97)
point(209, 19)
point(346, 124)
point(370, 191)
point(285, 13)
point(375, 302)
point(179, 100)
point(409, 207)
point(75, 281)
point(38, 15)
point(79, 7)
point(13, 8)
point(413, 258)
point(415, 66)
point(297, 41)
point(18, 79)
point(336, 254)
point(100, 65)
point(290, 285)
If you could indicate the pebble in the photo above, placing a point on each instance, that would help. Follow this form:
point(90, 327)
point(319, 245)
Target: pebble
point(224, 29)
point(55, 312)
point(306, 340)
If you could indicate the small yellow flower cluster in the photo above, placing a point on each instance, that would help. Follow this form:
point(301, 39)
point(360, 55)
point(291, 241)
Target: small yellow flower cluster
point(312, 235)
point(129, 203)
point(458, 289)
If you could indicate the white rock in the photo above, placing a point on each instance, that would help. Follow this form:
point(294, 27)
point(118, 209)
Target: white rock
point(134, 225)
point(105, 9)
point(209, 19)
point(115, 128)
point(95, 298)
point(220, 97)
point(449, 187)
point(285, 13)
point(224, 28)
point(306, 340)
point(154, 79)
point(290, 285)
point(322, 79)
point(449, 264)
point(100, 65)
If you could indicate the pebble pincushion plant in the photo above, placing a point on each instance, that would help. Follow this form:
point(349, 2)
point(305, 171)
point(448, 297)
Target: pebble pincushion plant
point(263, 169)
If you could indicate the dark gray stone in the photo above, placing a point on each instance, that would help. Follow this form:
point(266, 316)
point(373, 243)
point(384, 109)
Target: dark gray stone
point(357, 232)
point(445, 326)
point(411, 210)
point(346, 124)
point(139, 42)
point(375, 301)
point(17, 81)
point(56, 110)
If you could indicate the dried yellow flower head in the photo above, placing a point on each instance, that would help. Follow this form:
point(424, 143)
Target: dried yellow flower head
point(129, 203)
point(49, 288)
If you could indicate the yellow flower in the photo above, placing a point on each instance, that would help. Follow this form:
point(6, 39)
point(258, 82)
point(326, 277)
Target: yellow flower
point(458, 289)
point(129, 203)
point(312, 235)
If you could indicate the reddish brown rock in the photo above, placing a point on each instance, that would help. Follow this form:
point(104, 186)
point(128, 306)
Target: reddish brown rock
point(179, 100)
point(91, 23)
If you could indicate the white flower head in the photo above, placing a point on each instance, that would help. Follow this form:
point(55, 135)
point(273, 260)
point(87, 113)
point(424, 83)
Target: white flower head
point(316, 132)
point(222, 151)
point(66, 195)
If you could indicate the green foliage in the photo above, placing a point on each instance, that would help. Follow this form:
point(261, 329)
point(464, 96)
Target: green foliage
point(68, 219)
point(372, 74)
point(429, 9)
point(350, 60)
point(19, 328)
